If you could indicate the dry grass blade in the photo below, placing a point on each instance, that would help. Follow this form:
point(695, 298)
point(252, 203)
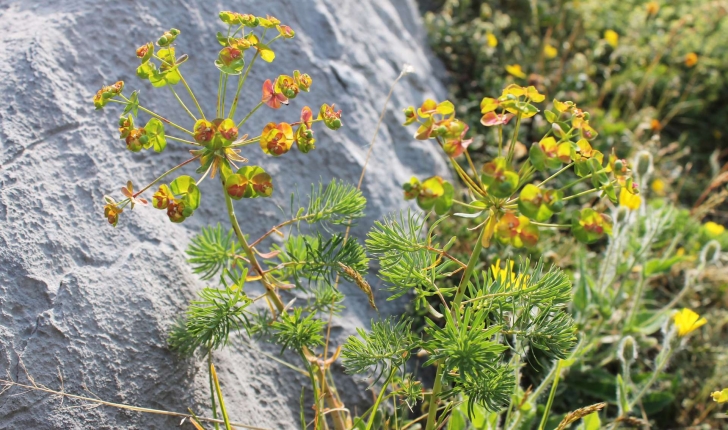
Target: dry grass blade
point(360, 282)
point(8, 384)
point(578, 414)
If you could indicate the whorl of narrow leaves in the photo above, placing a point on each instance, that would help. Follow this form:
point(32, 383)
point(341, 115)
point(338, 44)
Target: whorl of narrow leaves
point(533, 301)
point(553, 333)
point(296, 332)
point(492, 388)
point(210, 319)
point(396, 235)
point(386, 346)
point(326, 299)
point(319, 259)
point(338, 203)
point(465, 346)
point(406, 261)
point(211, 251)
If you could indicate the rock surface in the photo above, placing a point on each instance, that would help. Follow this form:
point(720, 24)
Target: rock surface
point(94, 304)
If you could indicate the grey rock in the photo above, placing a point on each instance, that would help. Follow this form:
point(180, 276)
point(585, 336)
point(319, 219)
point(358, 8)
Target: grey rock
point(94, 304)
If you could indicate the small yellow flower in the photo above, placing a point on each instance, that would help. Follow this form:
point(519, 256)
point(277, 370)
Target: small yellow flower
point(492, 40)
point(515, 70)
point(549, 51)
point(655, 125)
point(658, 187)
point(515, 282)
point(691, 59)
point(629, 200)
point(680, 252)
point(612, 38)
point(688, 321)
point(713, 229)
point(720, 396)
point(652, 8)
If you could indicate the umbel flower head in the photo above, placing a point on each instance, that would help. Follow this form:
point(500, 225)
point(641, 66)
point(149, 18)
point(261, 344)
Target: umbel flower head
point(687, 321)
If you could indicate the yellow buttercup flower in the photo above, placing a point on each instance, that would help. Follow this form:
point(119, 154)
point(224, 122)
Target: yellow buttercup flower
point(612, 38)
point(492, 40)
point(515, 281)
point(691, 59)
point(658, 187)
point(713, 229)
point(687, 321)
point(720, 396)
point(629, 200)
point(549, 51)
point(652, 8)
point(515, 70)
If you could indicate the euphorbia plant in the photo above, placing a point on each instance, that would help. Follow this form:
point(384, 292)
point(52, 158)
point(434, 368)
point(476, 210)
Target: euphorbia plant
point(481, 332)
point(216, 144)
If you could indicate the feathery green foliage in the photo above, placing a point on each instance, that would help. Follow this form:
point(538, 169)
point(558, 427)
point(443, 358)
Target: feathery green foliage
point(316, 258)
point(386, 346)
point(338, 203)
point(294, 331)
point(210, 319)
point(211, 251)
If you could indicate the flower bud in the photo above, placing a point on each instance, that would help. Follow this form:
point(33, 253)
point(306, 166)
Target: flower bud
point(627, 350)
point(286, 32)
point(176, 211)
point(145, 52)
point(111, 212)
point(643, 161)
point(249, 20)
point(557, 129)
point(710, 252)
point(162, 197)
point(134, 140)
point(168, 37)
point(303, 81)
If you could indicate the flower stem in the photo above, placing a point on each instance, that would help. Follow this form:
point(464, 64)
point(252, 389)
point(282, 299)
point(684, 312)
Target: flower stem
point(562, 170)
point(165, 174)
point(270, 290)
point(182, 140)
point(219, 397)
point(241, 82)
point(212, 388)
point(192, 95)
point(156, 115)
point(370, 423)
point(181, 102)
point(551, 396)
point(432, 412)
point(472, 262)
point(240, 124)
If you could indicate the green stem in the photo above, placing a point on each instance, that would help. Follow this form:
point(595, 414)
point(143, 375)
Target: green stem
point(583, 193)
point(181, 102)
point(240, 124)
point(562, 170)
point(165, 174)
point(192, 95)
point(241, 82)
point(551, 396)
point(270, 291)
point(472, 262)
point(370, 423)
point(156, 115)
point(212, 389)
point(219, 397)
point(541, 224)
point(432, 412)
point(637, 298)
point(318, 409)
point(182, 140)
point(224, 94)
point(512, 148)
